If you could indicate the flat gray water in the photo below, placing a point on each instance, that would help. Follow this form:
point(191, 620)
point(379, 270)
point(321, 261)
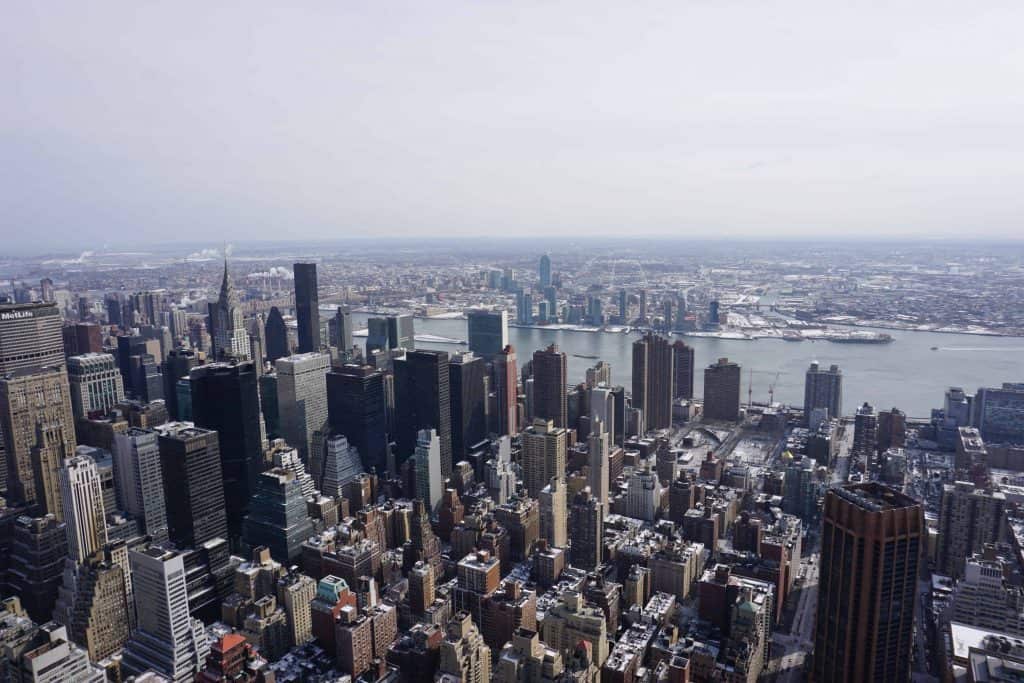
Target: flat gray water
point(905, 374)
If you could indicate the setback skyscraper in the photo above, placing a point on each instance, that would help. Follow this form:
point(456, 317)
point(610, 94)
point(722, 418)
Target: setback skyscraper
point(871, 546)
point(227, 327)
point(277, 335)
point(307, 307)
point(96, 384)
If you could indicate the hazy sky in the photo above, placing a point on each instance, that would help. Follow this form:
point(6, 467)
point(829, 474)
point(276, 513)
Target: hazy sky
point(711, 118)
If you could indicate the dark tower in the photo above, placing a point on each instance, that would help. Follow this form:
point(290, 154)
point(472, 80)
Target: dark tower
point(340, 327)
point(225, 398)
point(469, 419)
point(193, 484)
point(870, 555)
point(307, 307)
point(549, 380)
point(652, 381)
point(179, 364)
point(277, 336)
point(356, 409)
point(683, 363)
point(422, 401)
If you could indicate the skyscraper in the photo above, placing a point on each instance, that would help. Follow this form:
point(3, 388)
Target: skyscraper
point(140, 480)
point(543, 455)
point(506, 391)
point(823, 389)
point(340, 327)
point(30, 337)
point(277, 517)
point(467, 374)
point(865, 432)
point(96, 385)
point(427, 464)
point(227, 327)
point(586, 531)
point(871, 547)
point(167, 639)
point(193, 483)
point(356, 409)
point(597, 459)
point(401, 332)
point(341, 465)
point(302, 399)
point(999, 412)
point(422, 401)
point(277, 335)
point(969, 518)
point(652, 381)
point(37, 427)
point(225, 399)
point(307, 307)
point(683, 370)
point(544, 272)
point(178, 364)
point(82, 497)
point(722, 391)
point(488, 332)
point(549, 384)
point(464, 656)
point(553, 514)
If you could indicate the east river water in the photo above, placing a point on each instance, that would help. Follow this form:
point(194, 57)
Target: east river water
point(905, 374)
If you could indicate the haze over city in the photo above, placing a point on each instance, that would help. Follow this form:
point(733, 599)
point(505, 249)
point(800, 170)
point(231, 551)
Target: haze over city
point(255, 121)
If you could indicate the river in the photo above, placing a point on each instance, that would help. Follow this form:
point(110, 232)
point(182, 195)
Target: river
point(905, 374)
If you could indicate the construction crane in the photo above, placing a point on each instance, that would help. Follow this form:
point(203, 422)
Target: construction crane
point(771, 388)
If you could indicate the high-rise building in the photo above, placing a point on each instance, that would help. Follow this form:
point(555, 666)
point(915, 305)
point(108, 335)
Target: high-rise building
point(543, 455)
point(96, 385)
point(597, 460)
point(823, 389)
point(871, 545)
point(302, 399)
point(340, 329)
point(178, 365)
point(227, 326)
point(82, 338)
point(225, 399)
point(422, 401)
point(969, 518)
point(550, 375)
point(643, 495)
point(356, 409)
point(467, 378)
point(140, 480)
point(49, 656)
point(544, 272)
point(401, 332)
point(554, 518)
point(642, 317)
point(341, 465)
point(39, 547)
point(652, 381)
point(488, 332)
point(82, 497)
point(277, 335)
point(30, 337)
point(865, 432)
point(722, 391)
point(684, 368)
point(167, 639)
point(427, 464)
point(193, 483)
point(892, 429)
point(506, 392)
point(37, 426)
point(570, 621)
point(277, 518)
point(999, 412)
point(307, 307)
point(586, 531)
point(464, 656)
point(94, 607)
